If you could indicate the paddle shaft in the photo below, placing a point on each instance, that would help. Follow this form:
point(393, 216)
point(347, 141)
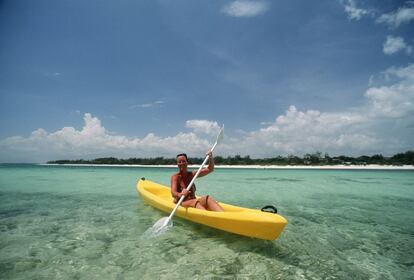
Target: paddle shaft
point(190, 185)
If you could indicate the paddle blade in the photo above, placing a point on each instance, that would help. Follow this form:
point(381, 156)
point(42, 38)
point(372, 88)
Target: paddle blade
point(220, 136)
point(160, 227)
point(162, 223)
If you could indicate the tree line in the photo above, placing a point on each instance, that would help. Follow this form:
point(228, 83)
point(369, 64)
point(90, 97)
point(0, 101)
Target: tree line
point(317, 158)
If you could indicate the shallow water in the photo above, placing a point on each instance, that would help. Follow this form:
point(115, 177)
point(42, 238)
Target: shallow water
point(89, 223)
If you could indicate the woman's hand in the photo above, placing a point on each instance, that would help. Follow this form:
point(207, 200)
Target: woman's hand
point(184, 192)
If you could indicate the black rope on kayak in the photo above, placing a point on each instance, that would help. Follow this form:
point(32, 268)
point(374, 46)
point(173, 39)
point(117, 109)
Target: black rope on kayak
point(269, 209)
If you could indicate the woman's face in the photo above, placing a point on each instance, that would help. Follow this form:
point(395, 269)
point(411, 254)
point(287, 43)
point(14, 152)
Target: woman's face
point(182, 163)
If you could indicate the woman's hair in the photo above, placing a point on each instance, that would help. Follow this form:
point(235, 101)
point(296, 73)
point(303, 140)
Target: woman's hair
point(185, 155)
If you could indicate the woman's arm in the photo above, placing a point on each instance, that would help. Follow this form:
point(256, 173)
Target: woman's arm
point(174, 192)
point(209, 168)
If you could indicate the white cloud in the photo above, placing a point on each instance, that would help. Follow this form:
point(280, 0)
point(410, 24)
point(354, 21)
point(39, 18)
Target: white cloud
point(52, 74)
point(384, 124)
point(203, 126)
point(93, 140)
point(298, 132)
point(354, 12)
point(396, 44)
point(403, 15)
point(245, 8)
point(158, 103)
point(395, 19)
point(403, 73)
point(396, 100)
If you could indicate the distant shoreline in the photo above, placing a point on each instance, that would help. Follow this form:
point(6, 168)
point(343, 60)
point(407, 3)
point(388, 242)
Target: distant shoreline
point(320, 167)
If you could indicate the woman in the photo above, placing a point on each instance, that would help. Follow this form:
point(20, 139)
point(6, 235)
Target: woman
point(181, 180)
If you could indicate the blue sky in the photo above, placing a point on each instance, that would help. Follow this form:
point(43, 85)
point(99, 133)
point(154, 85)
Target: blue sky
point(83, 79)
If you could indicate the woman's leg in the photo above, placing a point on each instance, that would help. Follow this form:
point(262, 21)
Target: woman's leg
point(210, 204)
point(195, 203)
point(198, 205)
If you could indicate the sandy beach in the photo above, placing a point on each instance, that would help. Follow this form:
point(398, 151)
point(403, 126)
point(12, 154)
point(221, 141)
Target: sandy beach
point(324, 167)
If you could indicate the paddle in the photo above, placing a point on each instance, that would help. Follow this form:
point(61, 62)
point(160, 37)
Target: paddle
point(166, 222)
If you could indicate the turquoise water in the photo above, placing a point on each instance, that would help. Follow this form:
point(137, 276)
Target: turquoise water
point(88, 223)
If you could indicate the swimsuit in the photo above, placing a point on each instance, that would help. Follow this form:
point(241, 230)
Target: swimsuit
point(183, 185)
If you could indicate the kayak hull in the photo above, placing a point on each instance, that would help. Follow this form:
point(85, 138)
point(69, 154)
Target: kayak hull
point(243, 221)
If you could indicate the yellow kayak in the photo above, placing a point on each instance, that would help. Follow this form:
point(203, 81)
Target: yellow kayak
point(243, 221)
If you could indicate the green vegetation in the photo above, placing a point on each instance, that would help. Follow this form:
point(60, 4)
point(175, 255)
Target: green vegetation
point(406, 158)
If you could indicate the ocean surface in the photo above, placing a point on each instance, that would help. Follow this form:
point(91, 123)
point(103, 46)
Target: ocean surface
point(88, 223)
